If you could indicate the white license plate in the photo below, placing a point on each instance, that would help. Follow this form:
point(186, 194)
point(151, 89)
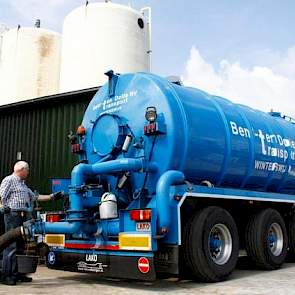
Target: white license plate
point(143, 226)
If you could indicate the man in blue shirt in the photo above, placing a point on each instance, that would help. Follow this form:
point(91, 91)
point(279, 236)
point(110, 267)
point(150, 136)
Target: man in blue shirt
point(17, 198)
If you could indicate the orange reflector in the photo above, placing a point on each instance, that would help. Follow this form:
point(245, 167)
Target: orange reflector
point(81, 130)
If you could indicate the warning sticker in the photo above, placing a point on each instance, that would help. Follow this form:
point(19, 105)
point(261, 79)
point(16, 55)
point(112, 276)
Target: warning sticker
point(143, 265)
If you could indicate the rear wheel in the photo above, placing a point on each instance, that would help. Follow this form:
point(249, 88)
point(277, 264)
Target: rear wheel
point(291, 238)
point(266, 239)
point(211, 244)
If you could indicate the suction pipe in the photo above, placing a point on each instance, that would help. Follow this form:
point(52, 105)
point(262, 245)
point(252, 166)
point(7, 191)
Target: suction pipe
point(169, 178)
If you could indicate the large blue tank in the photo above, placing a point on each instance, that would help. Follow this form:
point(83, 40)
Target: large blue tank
point(207, 137)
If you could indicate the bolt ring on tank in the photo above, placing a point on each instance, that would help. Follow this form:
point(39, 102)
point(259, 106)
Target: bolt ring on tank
point(275, 239)
point(220, 244)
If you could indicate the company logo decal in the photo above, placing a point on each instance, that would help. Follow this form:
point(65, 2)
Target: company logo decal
point(90, 264)
point(114, 104)
point(278, 148)
point(51, 258)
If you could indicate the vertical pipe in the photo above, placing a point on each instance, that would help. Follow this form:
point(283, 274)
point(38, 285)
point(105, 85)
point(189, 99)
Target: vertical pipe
point(147, 11)
point(164, 183)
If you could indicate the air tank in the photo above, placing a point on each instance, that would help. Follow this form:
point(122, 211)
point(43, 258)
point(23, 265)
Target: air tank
point(30, 64)
point(98, 37)
point(205, 136)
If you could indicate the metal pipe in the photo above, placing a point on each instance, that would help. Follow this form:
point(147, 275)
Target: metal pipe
point(63, 227)
point(126, 144)
point(169, 178)
point(79, 175)
point(81, 171)
point(110, 227)
point(147, 11)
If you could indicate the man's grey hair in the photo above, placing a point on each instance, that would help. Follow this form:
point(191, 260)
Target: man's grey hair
point(20, 165)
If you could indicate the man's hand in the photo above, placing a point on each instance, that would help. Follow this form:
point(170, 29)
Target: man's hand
point(57, 196)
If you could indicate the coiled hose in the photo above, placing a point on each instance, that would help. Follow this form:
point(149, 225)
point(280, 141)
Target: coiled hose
point(10, 237)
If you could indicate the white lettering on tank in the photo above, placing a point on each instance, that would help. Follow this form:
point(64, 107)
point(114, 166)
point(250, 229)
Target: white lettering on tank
point(234, 128)
point(238, 130)
point(272, 145)
point(110, 105)
point(262, 138)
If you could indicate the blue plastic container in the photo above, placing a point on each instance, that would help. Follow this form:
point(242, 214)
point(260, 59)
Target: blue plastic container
point(207, 137)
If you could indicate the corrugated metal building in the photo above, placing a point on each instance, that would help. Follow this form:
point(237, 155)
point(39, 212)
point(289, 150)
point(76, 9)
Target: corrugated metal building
point(37, 131)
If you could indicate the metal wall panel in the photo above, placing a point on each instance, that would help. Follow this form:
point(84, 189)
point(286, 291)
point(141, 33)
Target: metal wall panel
point(39, 129)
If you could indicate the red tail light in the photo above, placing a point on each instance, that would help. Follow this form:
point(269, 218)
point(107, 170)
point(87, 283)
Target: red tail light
point(54, 217)
point(141, 215)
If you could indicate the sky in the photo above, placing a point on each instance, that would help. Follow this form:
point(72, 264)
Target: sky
point(242, 50)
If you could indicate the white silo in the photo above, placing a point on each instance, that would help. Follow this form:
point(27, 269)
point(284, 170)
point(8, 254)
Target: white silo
point(3, 29)
point(30, 64)
point(101, 36)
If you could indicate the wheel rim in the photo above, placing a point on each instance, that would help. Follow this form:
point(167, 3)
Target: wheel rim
point(220, 244)
point(275, 239)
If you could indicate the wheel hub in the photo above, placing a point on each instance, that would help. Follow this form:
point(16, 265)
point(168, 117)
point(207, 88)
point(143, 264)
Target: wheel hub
point(220, 244)
point(275, 239)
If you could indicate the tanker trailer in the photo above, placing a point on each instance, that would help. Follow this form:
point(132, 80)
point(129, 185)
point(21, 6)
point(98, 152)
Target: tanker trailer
point(172, 180)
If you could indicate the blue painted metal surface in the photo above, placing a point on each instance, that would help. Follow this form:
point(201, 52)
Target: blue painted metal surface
point(168, 179)
point(60, 184)
point(208, 137)
point(230, 193)
point(248, 154)
point(198, 192)
point(245, 153)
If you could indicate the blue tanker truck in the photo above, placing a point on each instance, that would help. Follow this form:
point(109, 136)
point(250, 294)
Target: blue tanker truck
point(172, 180)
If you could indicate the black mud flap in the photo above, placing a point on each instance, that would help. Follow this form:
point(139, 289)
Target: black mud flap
point(167, 259)
point(112, 266)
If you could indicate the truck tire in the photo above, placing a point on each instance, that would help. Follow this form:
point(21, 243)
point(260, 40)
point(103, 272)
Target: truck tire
point(266, 239)
point(211, 245)
point(291, 239)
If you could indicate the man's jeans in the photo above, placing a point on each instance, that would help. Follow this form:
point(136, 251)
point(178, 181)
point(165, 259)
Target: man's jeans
point(9, 265)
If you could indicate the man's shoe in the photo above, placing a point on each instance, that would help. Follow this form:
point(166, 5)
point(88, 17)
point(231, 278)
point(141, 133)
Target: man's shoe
point(25, 279)
point(9, 281)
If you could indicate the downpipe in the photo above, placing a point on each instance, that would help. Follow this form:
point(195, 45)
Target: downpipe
point(169, 178)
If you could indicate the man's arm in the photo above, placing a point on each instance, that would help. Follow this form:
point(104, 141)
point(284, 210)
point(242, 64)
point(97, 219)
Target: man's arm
point(52, 197)
point(39, 198)
point(44, 198)
point(5, 190)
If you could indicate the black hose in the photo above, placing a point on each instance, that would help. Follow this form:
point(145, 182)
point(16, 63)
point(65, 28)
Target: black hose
point(10, 237)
